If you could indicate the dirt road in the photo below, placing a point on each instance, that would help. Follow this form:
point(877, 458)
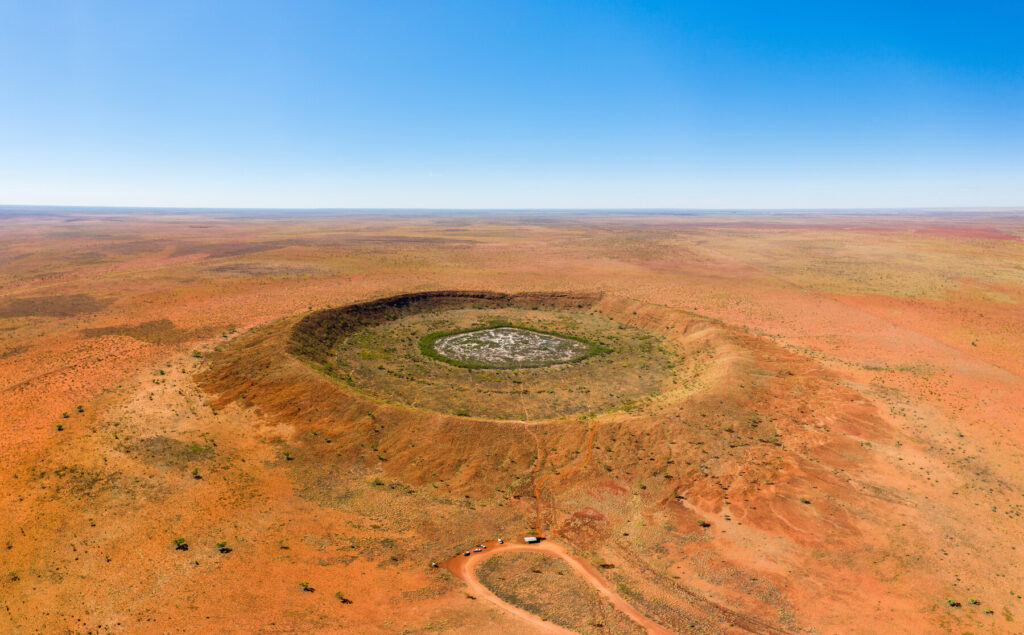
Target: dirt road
point(464, 568)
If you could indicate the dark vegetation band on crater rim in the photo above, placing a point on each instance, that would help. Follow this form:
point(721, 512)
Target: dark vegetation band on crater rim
point(428, 341)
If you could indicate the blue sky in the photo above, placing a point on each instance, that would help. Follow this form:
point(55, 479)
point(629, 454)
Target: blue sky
point(512, 104)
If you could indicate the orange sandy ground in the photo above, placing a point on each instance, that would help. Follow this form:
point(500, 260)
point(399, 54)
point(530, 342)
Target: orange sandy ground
point(920, 318)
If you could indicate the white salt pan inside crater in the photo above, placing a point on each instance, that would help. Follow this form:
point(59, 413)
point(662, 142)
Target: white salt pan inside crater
point(508, 345)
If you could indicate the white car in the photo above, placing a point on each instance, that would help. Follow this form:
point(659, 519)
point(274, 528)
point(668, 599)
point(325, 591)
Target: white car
point(478, 550)
point(500, 541)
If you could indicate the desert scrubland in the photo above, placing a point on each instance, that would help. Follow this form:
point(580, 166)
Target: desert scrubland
point(791, 422)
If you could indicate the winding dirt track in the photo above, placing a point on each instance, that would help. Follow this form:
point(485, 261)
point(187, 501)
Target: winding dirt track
point(464, 568)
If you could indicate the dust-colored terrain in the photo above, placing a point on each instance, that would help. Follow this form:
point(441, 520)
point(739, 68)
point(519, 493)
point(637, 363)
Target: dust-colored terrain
point(804, 423)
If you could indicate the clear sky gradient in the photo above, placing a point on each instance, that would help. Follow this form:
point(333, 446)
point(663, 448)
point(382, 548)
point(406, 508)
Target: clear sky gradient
point(513, 104)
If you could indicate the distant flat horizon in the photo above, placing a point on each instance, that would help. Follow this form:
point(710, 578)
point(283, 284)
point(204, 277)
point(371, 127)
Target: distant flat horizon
point(654, 211)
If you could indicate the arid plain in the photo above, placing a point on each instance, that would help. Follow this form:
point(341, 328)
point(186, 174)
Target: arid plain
point(804, 423)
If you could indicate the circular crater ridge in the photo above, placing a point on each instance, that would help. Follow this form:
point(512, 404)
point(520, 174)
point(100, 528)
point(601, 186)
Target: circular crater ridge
point(508, 347)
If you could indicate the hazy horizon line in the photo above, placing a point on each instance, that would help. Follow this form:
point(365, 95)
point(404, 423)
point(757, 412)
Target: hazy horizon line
point(518, 210)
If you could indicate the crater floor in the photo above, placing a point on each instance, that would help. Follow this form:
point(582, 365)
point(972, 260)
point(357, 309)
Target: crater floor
point(472, 371)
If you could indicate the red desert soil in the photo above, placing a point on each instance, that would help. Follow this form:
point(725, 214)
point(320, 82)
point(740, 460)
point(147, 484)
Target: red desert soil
point(841, 451)
point(464, 568)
